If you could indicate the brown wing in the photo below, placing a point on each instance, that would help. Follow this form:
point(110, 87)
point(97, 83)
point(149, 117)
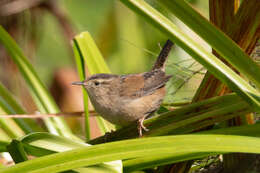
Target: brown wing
point(138, 85)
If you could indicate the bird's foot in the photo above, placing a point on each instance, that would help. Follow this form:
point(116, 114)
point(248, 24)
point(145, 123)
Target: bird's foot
point(141, 127)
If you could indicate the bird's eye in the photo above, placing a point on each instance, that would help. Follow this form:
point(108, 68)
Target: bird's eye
point(96, 83)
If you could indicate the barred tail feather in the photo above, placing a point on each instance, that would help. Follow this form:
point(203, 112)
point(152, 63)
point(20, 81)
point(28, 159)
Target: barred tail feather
point(161, 60)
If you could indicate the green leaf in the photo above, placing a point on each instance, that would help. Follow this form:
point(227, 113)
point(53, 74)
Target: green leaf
point(4, 140)
point(142, 163)
point(246, 130)
point(220, 42)
point(39, 144)
point(149, 162)
point(9, 126)
point(91, 54)
point(208, 60)
point(86, 52)
point(181, 146)
point(16, 150)
point(9, 105)
point(39, 92)
point(81, 70)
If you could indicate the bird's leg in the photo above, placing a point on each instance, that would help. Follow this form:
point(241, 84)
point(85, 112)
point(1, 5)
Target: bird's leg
point(141, 126)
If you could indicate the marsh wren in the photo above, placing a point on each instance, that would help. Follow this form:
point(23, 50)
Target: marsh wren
point(122, 99)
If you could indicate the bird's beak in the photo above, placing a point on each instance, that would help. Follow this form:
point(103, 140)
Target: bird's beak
point(77, 83)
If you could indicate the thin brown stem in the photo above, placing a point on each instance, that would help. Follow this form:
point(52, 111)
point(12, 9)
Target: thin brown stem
point(38, 115)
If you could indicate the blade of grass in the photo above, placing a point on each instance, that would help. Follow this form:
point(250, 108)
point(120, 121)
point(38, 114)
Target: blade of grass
point(39, 144)
point(81, 71)
point(88, 53)
point(91, 54)
point(9, 126)
point(223, 15)
point(211, 62)
point(245, 130)
point(142, 163)
point(4, 140)
point(225, 46)
point(171, 128)
point(10, 106)
point(182, 146)
point(150, 162)
point(39, 92)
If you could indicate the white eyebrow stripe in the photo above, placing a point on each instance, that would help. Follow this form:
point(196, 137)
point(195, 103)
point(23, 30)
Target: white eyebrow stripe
point(102, 80)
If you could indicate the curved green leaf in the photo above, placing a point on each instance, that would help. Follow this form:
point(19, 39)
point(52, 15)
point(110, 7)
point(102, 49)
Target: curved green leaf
point(9, 105)
point(4, 140)
point(171, 145)
point(149, 162)
point(208, 60)
point(39, 92)
point(81, 71)
point(86, 52)
point(146, 162)
point(220, 42)
point(39, 144)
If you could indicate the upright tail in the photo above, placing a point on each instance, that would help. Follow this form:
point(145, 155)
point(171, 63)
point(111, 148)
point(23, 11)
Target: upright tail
point(161, 60)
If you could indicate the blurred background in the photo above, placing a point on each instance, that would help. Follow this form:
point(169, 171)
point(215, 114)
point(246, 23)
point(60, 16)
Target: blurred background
point(44, 30)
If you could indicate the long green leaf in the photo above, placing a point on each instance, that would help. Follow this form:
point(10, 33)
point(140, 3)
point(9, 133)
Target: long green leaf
point(246, 130)
point(39, 92)
point(178, 146)
point(87, 52)
point(9, 126)
point(81, 70)
point(91, 54)
point(212, 63)
point(39, 144)
point(4, 140)
point(10, 106)
point(142, 163)
point(13, 106)
point(225, 46)
point(150, 162)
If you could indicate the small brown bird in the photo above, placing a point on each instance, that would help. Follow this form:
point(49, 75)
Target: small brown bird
point(122, 99)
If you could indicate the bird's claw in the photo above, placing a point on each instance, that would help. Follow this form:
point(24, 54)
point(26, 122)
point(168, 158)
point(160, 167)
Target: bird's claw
point(141, 127)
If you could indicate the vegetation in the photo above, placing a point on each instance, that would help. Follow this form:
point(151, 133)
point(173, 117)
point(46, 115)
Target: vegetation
point(191, 132)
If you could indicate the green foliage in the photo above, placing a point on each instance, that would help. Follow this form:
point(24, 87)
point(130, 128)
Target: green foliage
point(220, 42)
point(86, 52)
point(167, 140)
point(42, 97)
point(208, 60)
point(8, 105)
point(172, 149)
